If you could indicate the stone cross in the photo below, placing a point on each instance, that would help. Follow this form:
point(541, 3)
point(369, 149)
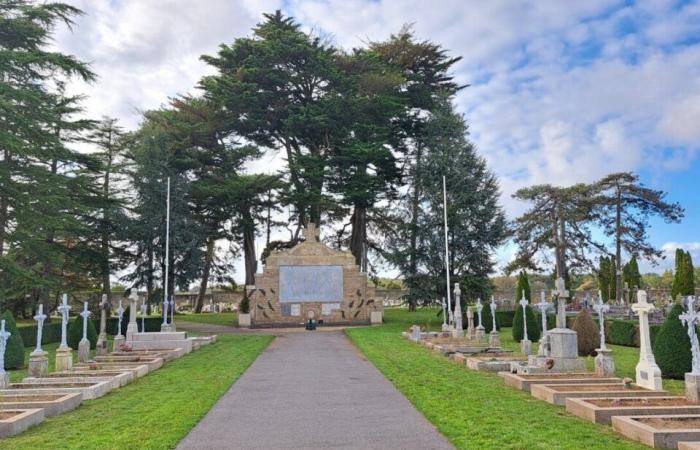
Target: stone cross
point(691, 318)
point(543, 306)
point(493, 313)
point(562, 294)
point(40, 318)
point(523, 303)
point(444, 312)
point(63, 309)
point(4, 336)
point(103, 315)
point(85, 314)
point(601, 308)
point(120, 314)
point(458, 311)
point(310, 232)
point(648, 373)
point(479, 308)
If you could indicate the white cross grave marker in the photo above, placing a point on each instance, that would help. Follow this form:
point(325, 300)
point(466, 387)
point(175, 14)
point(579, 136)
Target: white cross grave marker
point(601, 308)
point(648, 373)
point(493, 312)
point(120, 314)
point(543, 306)
point(40, 318)
point(63, 309)
point(479, 308)
point(562, 294)
point(691, 318)
point(85, 314)
point(4, 336)
point(523, 303)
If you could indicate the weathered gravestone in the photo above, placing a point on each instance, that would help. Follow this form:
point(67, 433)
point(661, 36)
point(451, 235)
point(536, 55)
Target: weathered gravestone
point(39, 359)
point(312, 280)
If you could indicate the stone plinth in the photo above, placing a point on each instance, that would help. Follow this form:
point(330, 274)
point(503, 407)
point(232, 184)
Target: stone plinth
point(4, 380)
point(692, 387)
point(604, 363)
point(83, 350)
point(494, 339)
point(563, 354)
point(526, 346)
point(118, 342)
point(376, 317)
point(480, 333)
point(563, 343)
point(38, 364)
point(101, 347)
point(64, 358)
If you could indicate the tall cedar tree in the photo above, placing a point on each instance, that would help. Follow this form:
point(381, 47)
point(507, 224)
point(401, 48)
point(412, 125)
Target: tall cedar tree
point(476, 221)
point(623, 208)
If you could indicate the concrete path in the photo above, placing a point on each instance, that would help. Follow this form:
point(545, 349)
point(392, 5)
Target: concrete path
point(313, 391)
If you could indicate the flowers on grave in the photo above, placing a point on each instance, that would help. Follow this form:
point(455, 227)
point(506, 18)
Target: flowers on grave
point(125, 348)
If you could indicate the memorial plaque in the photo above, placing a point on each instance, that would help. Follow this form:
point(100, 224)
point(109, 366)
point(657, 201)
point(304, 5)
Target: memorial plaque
point(328, 308)
point(295, 309)
point(311, 284)
point(286, 310)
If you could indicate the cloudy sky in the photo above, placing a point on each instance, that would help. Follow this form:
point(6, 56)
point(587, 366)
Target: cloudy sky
point(561, 92)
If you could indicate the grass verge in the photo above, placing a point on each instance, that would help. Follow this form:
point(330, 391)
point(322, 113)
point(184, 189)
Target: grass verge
point(153, 412)
point(229, 319)
point(474, 410)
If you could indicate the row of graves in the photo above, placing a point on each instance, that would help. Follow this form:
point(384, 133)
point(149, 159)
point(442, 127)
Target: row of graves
point(639, 409)
point(44, 394)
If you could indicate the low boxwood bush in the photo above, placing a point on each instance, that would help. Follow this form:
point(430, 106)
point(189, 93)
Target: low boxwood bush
point(14, 351)
point(588, 334)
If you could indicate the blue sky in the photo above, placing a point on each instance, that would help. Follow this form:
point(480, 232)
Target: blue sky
point(561, 92)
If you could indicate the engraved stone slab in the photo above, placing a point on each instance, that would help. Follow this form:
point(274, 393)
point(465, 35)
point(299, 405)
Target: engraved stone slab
point(311, 284)
point(327, 308)
point(295, 309)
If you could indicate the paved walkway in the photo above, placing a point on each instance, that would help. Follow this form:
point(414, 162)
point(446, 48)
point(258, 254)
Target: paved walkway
point(313, 391)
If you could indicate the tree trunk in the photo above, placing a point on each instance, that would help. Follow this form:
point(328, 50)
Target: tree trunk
point(106, 284)
point(358, 234)
point(4, 202)
point(249, 249)
point(618, 247)
point(208, 258)
point(413, 231)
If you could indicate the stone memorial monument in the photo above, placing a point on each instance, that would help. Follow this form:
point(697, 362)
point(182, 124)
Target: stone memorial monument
point(64, 354)
point(543, 306)
point(132, 328)
point(119, 337)
point(165, 326)
point(84, 344)
point(101, 348)
point(563, 343)
point(494, 337)
point(525, 343)
point(480, 330)
point(312, 280)
point(4, 336)
point(604, 362)
point(39, 359)
point(691, 318)
point(648, 373)
point(471, 332)
point(458, 329)
point(445, 325)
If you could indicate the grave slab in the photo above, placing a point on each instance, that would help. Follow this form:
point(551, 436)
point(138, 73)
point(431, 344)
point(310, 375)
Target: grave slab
point(525, 381)
point(88, 390)
point(51, 404)
point(15, 421)
point(558, 393)
point(662, 431)
point(601, 410)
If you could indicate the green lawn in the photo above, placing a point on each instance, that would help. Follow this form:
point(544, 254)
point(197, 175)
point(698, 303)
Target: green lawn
point(153, 412)
point(475, 410)
point(226, 318)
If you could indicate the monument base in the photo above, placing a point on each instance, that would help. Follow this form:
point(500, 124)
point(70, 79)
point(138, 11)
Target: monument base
point(165, 328)
point(38, 364)
point(457, 333)
point(604, 363)
point(376, 318)
point(543, 364)
point(563, 343)
point(692, 387)
point(244, 320)
point(83, 351)
point(494, 339)
point(648, 375)
point(526, 346)
point(64, 359)
point(445, 328)
point(131, 329)
point(101, 347)
point(118, 342)
point(480, 333)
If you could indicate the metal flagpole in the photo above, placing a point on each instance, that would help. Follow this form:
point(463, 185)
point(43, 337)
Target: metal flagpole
point(447, 254)
point(167, 256)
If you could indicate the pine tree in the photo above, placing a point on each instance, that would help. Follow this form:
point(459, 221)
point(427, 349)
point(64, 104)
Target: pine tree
point(606, 278)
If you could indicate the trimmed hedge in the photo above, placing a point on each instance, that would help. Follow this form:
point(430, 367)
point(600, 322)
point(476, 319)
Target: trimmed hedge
point(14, 351)
point(504, 319)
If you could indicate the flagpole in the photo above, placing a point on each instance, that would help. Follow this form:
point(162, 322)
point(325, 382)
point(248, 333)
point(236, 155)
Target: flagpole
point(167, 255)
point(447, 254)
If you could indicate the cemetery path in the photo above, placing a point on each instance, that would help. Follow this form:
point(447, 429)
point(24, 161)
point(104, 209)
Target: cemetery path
point(313, 391)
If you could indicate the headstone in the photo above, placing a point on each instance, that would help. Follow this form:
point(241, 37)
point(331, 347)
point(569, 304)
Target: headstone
point(64, 354)
point(543, 306)
point(494, 338)
point(604, 362)
point(84, 344)
point(691, 318)
point(480, 330)
point(4, 336)
point(119, 338)
point(445, 326)
point(39, 359)
point(459, 331)
point(101, 348)
point(132, 328)
point(415, 333)
point(562, 294)
point(525, 343)
point(648, 373)
point(471, 332)
point(165, 327)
